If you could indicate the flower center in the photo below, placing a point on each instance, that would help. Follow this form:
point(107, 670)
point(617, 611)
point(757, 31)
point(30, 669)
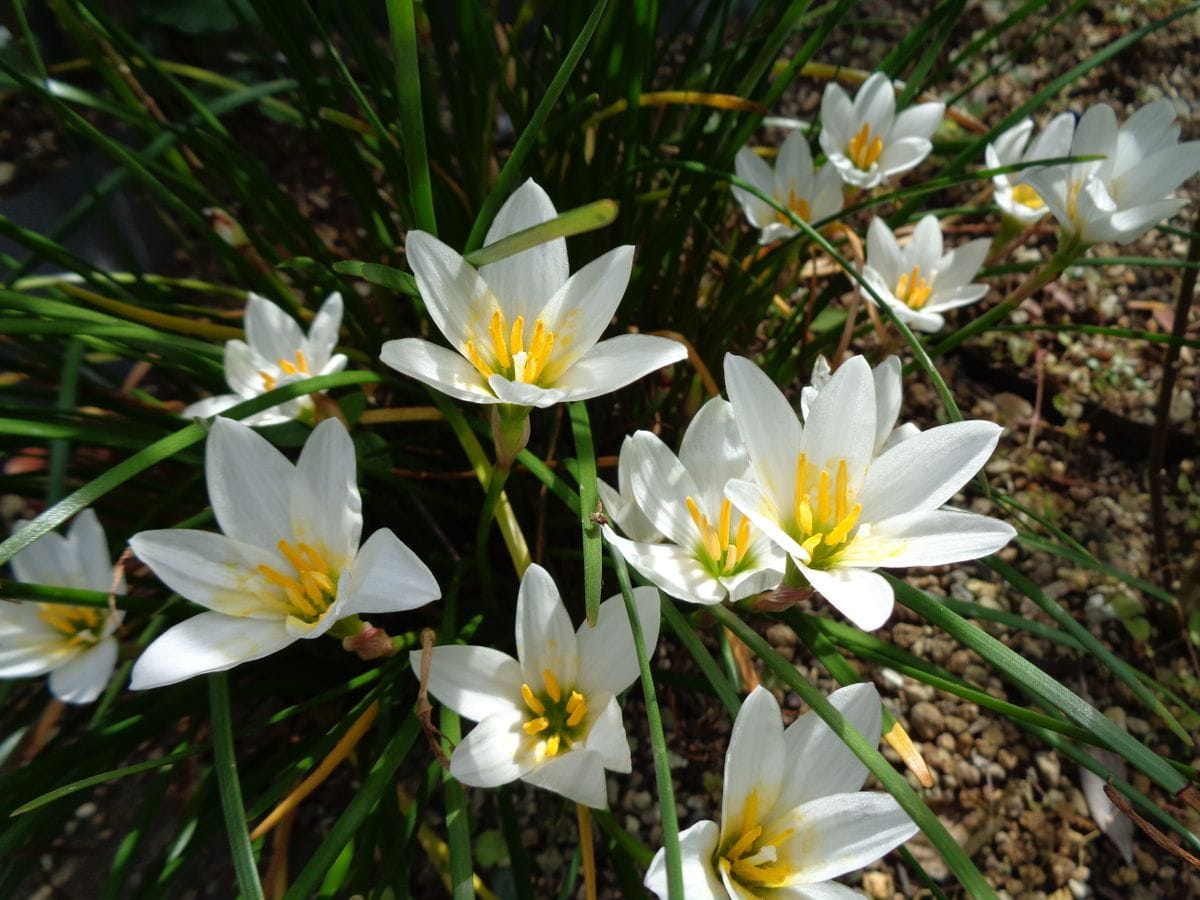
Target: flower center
point(1027, 196)
point(863, 150)
point(508, 354)
point(288, 367)
point(313, 587)
point(913, 290)
point(556, 718)
point(799, 207)
point(717, 552)
point(749, 859)
point(80, 625)
point(825, 519)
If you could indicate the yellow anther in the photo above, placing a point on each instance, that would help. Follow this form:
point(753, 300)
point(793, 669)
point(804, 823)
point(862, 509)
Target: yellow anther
point(743, 539)
point(312, 589)
point(499, 346)
point(798, 206)
point(287, 366)
point(311, 556)
point(823, 505)
point(811, 543)
point(531, 700)
point(840, 499)
point(912, 289)
point(477, 361)
point(552, 687)
point(863, 151)
point(516, 339)
point(276, 577)
point(576, 709)
point(552, 745)
point(744, 843)
point(697, 516)
point(537, 346)
point(1027, 196)
point(839, 534)
point(536, 726)
point(539, 354)
point(804, 516)
point(302, 362)
point(71, 621)
point(268, 380)
point(316, 584)
point(723, 526)
point(299, 563)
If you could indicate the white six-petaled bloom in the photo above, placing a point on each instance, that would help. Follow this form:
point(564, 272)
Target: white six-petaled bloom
point(524, 330)
point(1117, 198)
point(288, 565)
point(793, 816)
point(1014, 197)
point(275, 352)
point(75, 644)
point(889, 396)
point(549, 717)
point(712, 553)
point(918, 282)
point(838, 510)
point(810, 195)
point(866, 141)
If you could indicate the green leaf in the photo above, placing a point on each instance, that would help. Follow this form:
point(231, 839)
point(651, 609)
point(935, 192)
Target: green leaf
point(231, 792)
point(593, 553)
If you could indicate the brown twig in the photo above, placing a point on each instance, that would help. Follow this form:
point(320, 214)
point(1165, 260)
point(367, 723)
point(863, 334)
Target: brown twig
point(1150, 830)
point(433, 734)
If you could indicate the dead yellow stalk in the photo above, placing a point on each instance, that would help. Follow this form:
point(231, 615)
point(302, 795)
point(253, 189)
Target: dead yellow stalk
point(178, 324)
point(899, 741)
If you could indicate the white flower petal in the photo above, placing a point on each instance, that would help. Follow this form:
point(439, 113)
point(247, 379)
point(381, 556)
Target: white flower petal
point(875, 104)
point(519, 393)
point(793, 168)
point(326, 509)
point(82, 679)
point(926, 470)
point(606, 738)
point(437, 367)
point(821, 890)
point(545, 637)
point(212, 570)
point(475, 682)
point(883, 253)
point(752, 168)
point(209, 642)
point(672, 568)
point(388, 577)
point(919, 121)
point(661, 485)
point(244, 368)
point(616, 362)
point(829, 766)
point(841, 423)
point(929, 538)
point(41, 562)
point(1159, 174)
point(271, 331)
point(457, 298)
point(712, 450)
point(768, 426)
point(579, 311)
point(1128, 224)
point(862, 596)
point(889, 395)
point(249, 484)
point(752, 502)
point(607, 659)
point(901, 155)
point(924, 248)
point(577, 775)
point(697, 846)
point(844, 832)
point(526, 281)
point(210, 406)
point(87, 547)
point(490, 755)
point(33, 656)
point(323, 333)
point(837, 119)
point(754, 762)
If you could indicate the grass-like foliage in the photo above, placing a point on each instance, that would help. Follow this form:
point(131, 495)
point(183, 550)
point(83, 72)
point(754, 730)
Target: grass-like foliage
point(342, 229)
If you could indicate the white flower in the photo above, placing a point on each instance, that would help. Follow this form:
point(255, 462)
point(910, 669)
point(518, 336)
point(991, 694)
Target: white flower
point(713, 553)
point(620, 504)
point(866, 141)
point(889, 395)
point(1014, 197)
point(274, 353)
point(919, 283)
point(73, 643)
point(838, 510)
point(1119, 197)
point(523, 332)
point(792, 814)
point(812, 196)
point(288, 565)
point(549, 717)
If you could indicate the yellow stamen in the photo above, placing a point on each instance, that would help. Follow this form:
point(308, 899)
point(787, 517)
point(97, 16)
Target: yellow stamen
point(516, 340)
point(809, 545)
point(539, 355)
point(552, 745)
point(576, 709)
point(299, 563)
point(744, 843)
point(1027, 196)
point(499, 347)
point(842, 530)
point(743, 538)
point(863, 151)
point(552, 687)
point(912, 289)
point(823, 508)
point(268, 380)
point(840, 500)
point(314, 586)
point(477, 361)
point(697, 516)
point(723, 527)
point(799, 207)
point(302, 362)
point(531, 700)
point(287, 367)
point(72, 621)
point(536, 726)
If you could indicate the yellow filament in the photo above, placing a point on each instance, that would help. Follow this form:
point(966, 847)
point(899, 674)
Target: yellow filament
point(863, 150)
point(576, 709)
point(744, 843)
point(743, 539)
point(1027, 196)
point(517, 338)
point(539, 353)
point(723, 527)
point(912, 289)
point(477, 361)
point(823, 509)
point(532, 701)
point(552, 687)
point(499, 347)
point(840, 500)
point(536, 726)
point(842, 529)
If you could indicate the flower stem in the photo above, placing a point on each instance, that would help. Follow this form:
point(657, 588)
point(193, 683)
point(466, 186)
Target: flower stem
point(584, 816)
point(231, 792)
